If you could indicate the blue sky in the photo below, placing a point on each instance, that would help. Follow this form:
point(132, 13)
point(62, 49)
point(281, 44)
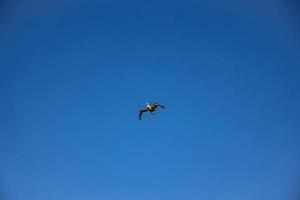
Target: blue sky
point(74, 74)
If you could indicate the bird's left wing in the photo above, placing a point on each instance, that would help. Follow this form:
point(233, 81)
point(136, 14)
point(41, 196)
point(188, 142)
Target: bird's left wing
point(141, 112)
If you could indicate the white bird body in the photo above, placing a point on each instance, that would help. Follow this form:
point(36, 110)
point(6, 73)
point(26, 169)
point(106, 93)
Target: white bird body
point(148, 106)
point(150, 109)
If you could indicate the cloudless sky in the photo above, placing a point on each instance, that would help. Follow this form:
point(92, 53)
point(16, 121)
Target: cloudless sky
point(73, 75)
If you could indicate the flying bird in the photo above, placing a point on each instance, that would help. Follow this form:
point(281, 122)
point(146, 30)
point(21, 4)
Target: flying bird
point(150, 108)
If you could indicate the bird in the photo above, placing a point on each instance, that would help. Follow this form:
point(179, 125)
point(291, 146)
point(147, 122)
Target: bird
point(150, 108)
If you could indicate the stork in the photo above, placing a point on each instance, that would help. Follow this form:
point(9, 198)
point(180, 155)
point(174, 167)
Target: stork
point(150, 108)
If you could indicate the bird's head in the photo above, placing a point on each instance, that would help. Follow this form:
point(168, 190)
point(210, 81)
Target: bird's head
point(147, 104)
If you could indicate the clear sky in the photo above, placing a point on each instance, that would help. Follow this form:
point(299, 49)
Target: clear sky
point(75, 73)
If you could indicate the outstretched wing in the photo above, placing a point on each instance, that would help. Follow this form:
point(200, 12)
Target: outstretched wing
point(162, 106)
point(159, 105)
point(141, 112)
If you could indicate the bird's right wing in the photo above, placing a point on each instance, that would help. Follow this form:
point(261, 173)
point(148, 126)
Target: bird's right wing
point(141, 112)
point(162, 106)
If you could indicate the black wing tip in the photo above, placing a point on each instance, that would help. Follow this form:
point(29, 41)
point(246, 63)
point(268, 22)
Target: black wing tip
point(162, 106)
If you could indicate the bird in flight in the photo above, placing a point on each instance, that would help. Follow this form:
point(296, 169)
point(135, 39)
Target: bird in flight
point(149, 108)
